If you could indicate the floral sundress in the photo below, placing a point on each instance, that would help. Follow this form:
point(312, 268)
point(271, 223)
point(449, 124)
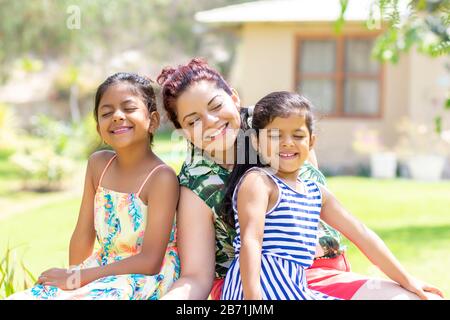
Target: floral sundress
point(120, 220)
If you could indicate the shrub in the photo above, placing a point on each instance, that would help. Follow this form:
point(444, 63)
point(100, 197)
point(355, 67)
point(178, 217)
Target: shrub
point(8, 273)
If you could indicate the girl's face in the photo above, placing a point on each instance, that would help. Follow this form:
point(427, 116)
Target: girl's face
point(123, 117)
point(285, 143)
point(209, 116)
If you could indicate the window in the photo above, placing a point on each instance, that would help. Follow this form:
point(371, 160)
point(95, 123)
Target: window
point(339, 75)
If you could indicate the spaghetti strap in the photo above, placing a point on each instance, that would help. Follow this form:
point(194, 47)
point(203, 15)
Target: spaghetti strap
point(148, 176)
point(104, 170)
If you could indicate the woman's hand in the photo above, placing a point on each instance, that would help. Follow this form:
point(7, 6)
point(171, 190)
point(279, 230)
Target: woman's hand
point(419, 287)
point(64, 279)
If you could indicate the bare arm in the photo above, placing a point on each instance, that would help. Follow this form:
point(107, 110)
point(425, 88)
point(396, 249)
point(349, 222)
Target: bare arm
point(369, 244)
point(252, 207)
point(162, 202)
point(83, 237)
point(196, 248)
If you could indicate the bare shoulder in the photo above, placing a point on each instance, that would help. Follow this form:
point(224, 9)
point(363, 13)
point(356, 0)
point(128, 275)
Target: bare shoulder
point(100, 157)
point(257, 178)
point(326, 193)
point(98, 161)
point(162, 184)
point(164, 175)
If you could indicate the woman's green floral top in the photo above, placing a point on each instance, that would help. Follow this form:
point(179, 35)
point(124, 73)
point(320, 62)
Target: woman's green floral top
point(207, 179)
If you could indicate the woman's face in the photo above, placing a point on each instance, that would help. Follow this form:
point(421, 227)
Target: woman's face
point(209, 117)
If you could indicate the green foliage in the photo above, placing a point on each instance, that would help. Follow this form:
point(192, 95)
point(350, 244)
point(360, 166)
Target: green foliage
point(8, 128)
point(49, 155)
point(8, 268)
point(42, 29)
point(426, 27)
point(339, 23)
point(39, 161)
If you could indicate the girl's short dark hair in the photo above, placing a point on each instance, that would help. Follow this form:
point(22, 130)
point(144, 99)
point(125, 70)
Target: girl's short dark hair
point(140, 85)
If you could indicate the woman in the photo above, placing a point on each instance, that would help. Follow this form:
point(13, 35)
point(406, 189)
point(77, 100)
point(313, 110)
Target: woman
point(200, 102)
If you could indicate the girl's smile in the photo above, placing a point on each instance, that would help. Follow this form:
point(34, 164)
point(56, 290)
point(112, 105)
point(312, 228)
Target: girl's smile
point(288, 155)
point(121, 130)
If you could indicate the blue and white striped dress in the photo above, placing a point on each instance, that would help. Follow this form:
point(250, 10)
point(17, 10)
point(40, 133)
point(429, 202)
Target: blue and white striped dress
point(288, 248)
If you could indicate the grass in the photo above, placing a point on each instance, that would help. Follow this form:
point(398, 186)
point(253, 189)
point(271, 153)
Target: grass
point(411, 217)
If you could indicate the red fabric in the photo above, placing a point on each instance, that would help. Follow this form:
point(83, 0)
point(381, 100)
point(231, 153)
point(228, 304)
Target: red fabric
point(330, 276)
point(216, 290)
point(339, 263)
point(334, 278)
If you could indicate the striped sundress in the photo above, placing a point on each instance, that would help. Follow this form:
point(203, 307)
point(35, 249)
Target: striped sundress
point(288, 247)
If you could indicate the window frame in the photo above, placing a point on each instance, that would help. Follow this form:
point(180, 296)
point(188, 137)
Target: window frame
point(340, 75)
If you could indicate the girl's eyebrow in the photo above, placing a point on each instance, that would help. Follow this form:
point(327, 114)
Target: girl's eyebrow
point(105, 106)
point(111, 106)
point(127, 101)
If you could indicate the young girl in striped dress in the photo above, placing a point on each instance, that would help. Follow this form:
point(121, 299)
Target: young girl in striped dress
point(276, 215)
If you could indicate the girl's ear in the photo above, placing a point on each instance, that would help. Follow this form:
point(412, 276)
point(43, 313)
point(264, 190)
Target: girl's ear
point(254, 141)
point(235, 98)
point(312, 141)
point(98, 131)
point(154, 122)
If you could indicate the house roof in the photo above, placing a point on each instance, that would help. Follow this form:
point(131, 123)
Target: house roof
point(288, 11)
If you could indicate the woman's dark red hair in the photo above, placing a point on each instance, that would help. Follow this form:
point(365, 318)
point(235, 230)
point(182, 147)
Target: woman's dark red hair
point(174, 81)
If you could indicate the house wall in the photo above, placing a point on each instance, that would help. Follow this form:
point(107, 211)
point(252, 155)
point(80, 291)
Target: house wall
point(266, 62)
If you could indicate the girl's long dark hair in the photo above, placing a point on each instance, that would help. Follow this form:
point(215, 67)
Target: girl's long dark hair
point(276, 104)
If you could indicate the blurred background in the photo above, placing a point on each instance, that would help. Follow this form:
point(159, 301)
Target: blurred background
point(377, 71)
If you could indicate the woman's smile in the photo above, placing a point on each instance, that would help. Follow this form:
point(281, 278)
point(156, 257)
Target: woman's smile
point(217, 133)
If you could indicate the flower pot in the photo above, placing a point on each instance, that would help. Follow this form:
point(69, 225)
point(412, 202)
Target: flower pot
point(383, 165)
point(426, 167)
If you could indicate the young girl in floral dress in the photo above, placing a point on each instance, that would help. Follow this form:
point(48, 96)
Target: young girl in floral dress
point(128, 205)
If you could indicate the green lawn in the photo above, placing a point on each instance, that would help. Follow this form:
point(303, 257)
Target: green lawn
point(411, 217)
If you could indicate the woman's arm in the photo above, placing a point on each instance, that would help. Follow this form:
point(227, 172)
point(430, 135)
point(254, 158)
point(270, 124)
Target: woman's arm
point(252, 207)
point(196, 248)
point(369, 244)
point(83, 237)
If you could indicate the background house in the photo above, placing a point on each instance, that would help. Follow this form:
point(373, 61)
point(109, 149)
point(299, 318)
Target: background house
point(292, 45)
